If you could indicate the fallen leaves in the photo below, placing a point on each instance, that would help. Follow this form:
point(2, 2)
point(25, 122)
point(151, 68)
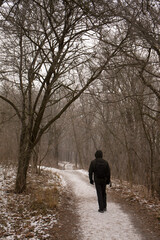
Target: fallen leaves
point(33, 213)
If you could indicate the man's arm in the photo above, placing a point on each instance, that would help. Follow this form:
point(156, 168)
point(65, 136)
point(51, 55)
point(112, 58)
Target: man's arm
point(108, 173)
point(91, 173)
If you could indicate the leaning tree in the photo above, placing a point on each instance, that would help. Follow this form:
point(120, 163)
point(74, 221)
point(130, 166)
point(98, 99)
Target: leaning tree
point(43, 44)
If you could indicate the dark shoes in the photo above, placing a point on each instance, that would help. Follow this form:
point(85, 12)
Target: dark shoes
point(102, 211)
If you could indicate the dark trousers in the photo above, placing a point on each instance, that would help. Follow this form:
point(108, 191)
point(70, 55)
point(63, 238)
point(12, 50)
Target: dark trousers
point(101, 194)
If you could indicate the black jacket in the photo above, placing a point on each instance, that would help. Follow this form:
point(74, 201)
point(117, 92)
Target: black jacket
point(93, 171)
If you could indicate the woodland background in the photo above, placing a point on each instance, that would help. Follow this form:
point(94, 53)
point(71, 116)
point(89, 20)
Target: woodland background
point(80, 76)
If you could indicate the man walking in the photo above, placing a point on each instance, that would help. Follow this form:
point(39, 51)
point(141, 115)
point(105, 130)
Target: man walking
point(101, 171)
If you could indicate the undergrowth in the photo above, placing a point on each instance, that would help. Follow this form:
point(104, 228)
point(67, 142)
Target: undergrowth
point(44, 197)
point(44, 200)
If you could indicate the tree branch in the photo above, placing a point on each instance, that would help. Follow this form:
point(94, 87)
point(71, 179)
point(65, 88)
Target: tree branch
point(13, 106)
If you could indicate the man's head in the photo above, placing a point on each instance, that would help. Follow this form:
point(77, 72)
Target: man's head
point(98, 154)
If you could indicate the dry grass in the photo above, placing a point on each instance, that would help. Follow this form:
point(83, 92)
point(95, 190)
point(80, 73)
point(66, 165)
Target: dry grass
point(139, 194)
point(36, 208)
point(44, 200)
point(44, 196)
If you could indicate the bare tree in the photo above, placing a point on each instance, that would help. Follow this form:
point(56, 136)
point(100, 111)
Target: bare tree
point(47, 45)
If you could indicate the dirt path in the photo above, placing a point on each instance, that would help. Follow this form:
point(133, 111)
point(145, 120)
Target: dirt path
point(121, 221)
point(67, 227)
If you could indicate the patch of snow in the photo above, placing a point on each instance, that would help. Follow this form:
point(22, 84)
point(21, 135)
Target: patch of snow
point(40, 221)
point(66, 165)
point(57, 171)
point(84, 172)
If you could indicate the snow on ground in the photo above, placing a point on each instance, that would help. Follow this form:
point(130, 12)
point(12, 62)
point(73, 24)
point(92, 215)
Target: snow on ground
point(16, 219)
point(111, 225)
point(17, 223)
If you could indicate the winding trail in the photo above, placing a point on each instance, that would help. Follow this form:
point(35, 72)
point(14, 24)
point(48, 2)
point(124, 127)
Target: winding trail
point(114, 224)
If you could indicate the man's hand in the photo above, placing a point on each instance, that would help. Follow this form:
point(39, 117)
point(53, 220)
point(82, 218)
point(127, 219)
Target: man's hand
point(91, 182)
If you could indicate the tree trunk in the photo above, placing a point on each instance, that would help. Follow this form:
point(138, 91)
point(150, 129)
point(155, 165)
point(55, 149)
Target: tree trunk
point(35, 161)
point(56, 155)
point(23, 161)
point(35, 155)
point(77, 145)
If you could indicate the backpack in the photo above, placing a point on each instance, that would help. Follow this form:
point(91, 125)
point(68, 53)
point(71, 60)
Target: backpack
point(101, 169)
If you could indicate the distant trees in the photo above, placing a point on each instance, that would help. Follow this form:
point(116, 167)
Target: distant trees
point(126, 99)
point(143, 21)
point(9, 132)
point(59, 49)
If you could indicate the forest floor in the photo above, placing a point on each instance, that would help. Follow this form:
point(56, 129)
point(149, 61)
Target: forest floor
point(62, 205)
